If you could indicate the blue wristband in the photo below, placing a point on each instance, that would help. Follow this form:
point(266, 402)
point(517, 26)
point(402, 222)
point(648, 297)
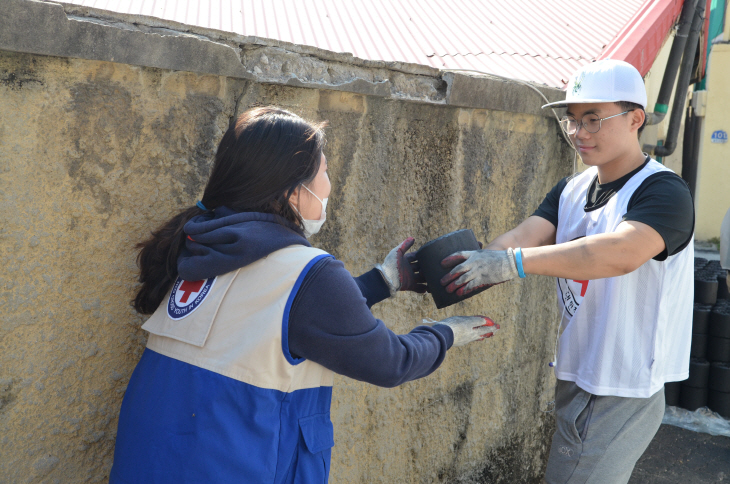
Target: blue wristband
point(518, 263)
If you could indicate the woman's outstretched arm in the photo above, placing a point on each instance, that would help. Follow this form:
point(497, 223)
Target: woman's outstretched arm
point(330, 323)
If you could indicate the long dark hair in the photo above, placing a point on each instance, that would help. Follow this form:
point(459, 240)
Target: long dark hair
point(260, 161)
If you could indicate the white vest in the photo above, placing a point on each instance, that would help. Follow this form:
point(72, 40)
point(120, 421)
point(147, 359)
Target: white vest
point(236, 330)
point(628, 335)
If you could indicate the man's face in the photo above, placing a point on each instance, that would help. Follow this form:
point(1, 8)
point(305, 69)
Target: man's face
point(613, 137)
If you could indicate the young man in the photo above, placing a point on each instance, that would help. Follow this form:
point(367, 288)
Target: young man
point(619, 239)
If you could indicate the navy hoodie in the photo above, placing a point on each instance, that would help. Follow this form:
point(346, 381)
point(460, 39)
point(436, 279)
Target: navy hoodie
point(330, 321)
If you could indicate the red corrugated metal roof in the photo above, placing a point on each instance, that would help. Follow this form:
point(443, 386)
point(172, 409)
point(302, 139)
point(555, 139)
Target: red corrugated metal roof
point(542, 41)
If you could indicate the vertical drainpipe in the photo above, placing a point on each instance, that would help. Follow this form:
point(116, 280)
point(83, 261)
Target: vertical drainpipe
point(680, 96)
point(691, 163)
point(675, 59)
point(688, 149)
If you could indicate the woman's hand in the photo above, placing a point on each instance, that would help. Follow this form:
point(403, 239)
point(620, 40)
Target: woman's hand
point(401, 271)
point(468, 328)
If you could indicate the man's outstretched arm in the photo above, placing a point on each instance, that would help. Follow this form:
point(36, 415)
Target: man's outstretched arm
point(533, 232)
point(597, 256)
point(593, 257)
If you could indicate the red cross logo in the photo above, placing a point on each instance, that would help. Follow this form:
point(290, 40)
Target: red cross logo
point(188, 288)
point(583, 287)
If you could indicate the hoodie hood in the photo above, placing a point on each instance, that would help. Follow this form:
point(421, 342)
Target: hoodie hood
point(222, 241)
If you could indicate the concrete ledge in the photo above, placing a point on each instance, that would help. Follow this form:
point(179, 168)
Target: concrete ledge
point(44, 28)
point(62, 30)
point(497, 93)
point(360, 86)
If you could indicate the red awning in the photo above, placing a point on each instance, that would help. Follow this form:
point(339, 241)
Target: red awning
point(641, 39)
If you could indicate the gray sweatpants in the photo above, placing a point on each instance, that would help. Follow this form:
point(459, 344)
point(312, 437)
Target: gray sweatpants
point(599, 438)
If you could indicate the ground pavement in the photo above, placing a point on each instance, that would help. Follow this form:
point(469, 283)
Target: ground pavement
point(679, 456)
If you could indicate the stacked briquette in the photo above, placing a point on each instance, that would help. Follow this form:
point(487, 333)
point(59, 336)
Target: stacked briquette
point(709, 370)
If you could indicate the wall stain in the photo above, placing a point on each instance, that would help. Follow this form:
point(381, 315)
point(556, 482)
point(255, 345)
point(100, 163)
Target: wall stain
point(189, 132)
point(106, 127)
point(21, 74)
point(461, 397)
point(8, 393)
point(506, 464)
point(19, 80)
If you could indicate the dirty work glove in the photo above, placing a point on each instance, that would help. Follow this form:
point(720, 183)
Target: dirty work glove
point(476, 269)
point(468, 328)
point(401, 271)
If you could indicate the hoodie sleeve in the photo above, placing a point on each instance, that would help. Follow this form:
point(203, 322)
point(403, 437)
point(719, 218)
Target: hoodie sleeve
point(330, 323)
point(373, 287)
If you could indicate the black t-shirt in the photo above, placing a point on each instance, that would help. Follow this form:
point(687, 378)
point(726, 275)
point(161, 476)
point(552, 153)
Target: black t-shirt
point(662, 201)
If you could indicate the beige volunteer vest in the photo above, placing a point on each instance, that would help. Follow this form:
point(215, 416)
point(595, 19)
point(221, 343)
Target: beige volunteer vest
point(238, 328)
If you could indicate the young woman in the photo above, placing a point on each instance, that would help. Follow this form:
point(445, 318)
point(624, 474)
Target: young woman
point(249, 322)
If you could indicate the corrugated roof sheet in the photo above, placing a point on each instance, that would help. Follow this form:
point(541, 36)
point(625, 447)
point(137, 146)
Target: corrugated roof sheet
point(542, 41)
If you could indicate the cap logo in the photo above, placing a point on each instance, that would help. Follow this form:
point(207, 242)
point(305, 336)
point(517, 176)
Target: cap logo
point(579, 83)
point(187, 296)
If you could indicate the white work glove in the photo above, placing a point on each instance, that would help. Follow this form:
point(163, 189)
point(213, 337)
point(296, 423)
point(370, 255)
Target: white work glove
point(476, 269)
point(467, 328)
point(401, 271)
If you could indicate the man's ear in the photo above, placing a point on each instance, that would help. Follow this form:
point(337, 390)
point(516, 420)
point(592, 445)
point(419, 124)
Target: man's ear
point(637, 119)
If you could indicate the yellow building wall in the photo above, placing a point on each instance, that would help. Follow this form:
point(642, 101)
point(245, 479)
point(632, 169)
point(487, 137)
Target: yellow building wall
point(713, 176)
point(712, 198)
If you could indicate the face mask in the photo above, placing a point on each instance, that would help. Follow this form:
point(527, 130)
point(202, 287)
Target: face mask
point(311, 227)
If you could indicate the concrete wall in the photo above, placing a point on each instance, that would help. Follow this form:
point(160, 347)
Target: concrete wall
point(94, 154)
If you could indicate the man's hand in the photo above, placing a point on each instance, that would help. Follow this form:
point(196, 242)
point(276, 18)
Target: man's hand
point(401, 271)
point(469, 328)
point(477, 269)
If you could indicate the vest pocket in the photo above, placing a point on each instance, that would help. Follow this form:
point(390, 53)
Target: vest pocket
point(314, 449)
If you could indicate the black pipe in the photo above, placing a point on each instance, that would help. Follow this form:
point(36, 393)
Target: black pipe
point(688, 148)
point(694, 158)
point(673, 63)
point(685, 73)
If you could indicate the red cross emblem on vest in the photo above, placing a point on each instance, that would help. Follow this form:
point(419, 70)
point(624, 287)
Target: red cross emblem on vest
point(188, 288)
point(187, 296)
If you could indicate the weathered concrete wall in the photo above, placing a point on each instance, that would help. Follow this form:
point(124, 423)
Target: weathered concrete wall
point(95, 154)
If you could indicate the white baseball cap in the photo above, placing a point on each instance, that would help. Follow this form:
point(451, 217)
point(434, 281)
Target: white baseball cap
point(604, 81)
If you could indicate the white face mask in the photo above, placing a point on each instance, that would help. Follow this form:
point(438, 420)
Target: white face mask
point(311, 227)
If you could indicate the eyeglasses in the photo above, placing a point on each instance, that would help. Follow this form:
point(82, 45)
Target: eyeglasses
point(590, 123)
